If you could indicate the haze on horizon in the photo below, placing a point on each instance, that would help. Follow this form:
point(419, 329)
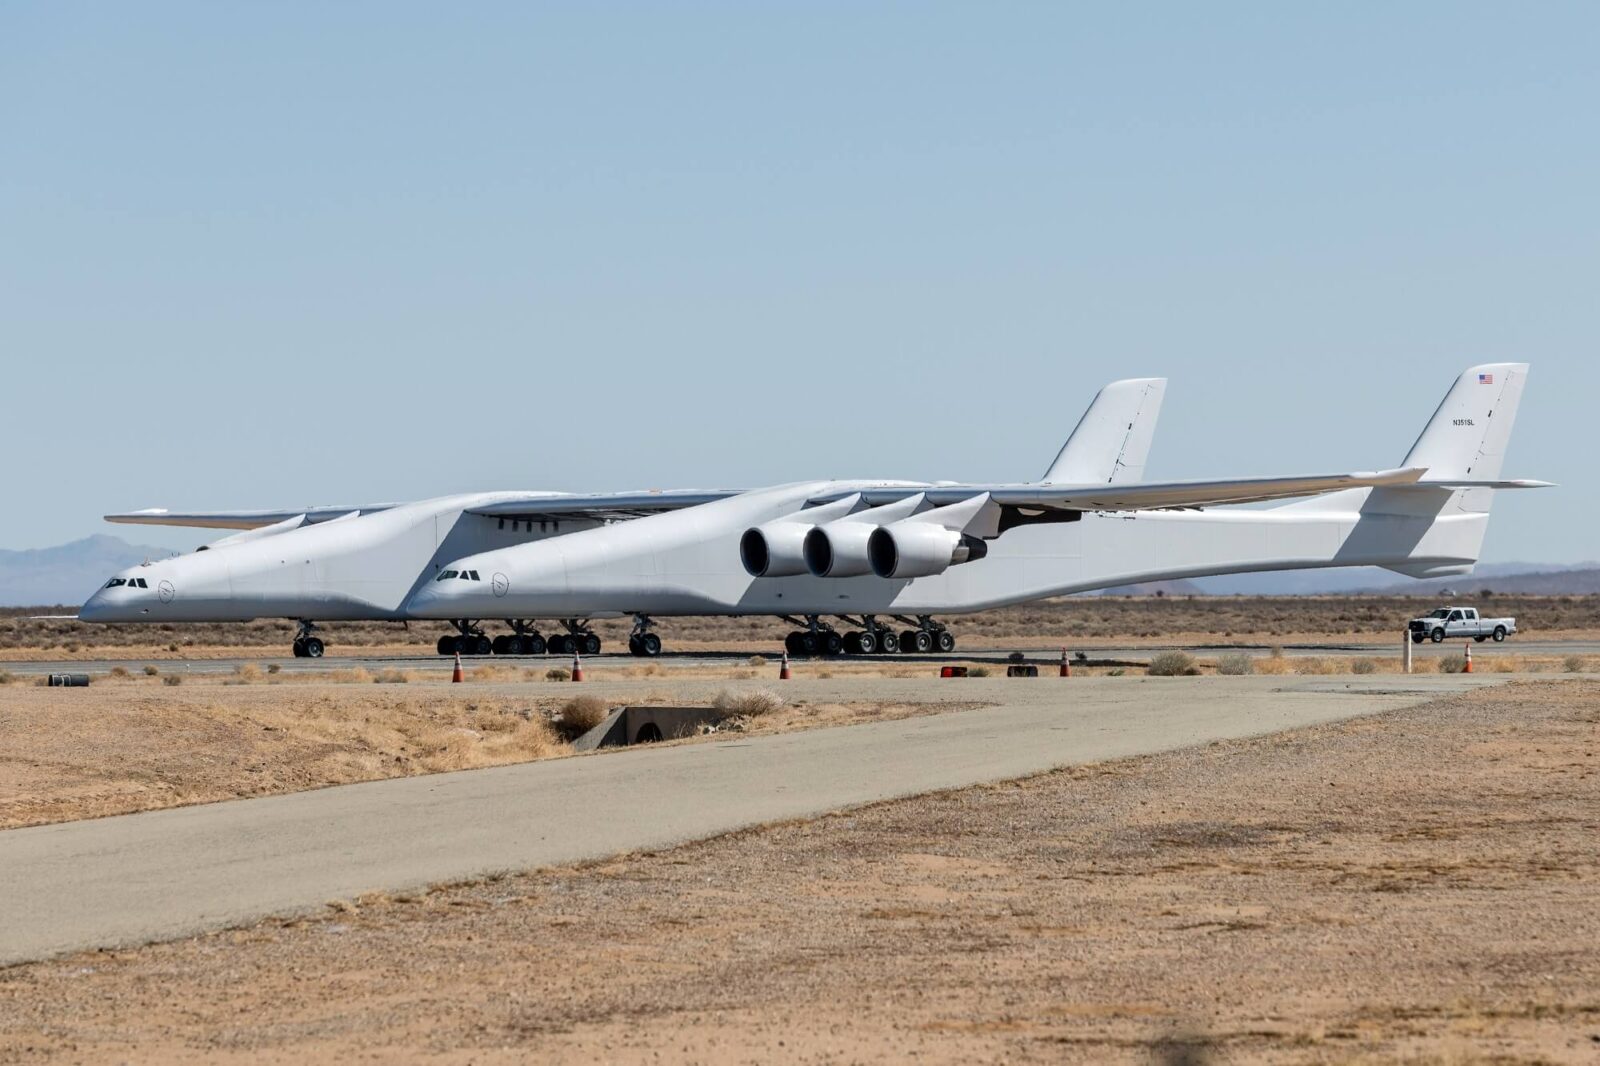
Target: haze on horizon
point(258, 256)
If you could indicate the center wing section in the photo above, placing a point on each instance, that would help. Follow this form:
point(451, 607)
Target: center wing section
point(603, 506)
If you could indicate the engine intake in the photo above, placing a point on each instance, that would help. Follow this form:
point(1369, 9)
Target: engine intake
point(775, 549)
point(919, 549)
point(838, 549)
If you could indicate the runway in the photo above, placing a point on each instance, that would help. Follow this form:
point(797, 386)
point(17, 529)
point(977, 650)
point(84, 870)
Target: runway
point(1109, 654)
point(131, 879)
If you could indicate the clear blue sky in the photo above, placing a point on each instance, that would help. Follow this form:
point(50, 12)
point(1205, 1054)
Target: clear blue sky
point(256, 255)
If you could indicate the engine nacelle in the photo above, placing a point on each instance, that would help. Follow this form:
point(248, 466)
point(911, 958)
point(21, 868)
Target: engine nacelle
point(776, 549)
point(920, 549)
point(839, 549)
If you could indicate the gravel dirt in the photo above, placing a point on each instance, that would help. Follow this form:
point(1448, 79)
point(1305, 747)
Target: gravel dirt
point(1417, 885)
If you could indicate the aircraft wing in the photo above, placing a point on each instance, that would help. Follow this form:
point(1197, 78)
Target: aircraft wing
point(1146, 496)
point(604, 504)
point(160, 516)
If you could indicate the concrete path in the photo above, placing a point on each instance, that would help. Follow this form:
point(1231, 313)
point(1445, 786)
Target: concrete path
point(163, 874)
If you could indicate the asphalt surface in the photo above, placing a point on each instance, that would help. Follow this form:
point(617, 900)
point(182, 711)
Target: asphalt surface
point(1109, 654)
point(131, 879)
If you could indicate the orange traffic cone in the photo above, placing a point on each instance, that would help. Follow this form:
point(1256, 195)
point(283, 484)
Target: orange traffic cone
point(577, 667)
point(458, 675)
point(1467, 669)
point(783, 667)
point(1066, 667)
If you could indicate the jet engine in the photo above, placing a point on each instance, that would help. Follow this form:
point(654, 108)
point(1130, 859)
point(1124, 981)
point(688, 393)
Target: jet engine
point(919, 549)
point(777, 549)
point(839, 548)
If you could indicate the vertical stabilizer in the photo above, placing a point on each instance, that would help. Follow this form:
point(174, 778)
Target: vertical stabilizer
point(1466, 438)
point(1112, 439)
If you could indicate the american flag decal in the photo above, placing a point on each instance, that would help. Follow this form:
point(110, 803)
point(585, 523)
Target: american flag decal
point(1485, 379)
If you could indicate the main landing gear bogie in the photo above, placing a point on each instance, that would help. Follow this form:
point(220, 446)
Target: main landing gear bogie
point(305, 645)
point(819, 638)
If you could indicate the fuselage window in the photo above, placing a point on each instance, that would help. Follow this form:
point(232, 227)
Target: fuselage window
point(446, 575)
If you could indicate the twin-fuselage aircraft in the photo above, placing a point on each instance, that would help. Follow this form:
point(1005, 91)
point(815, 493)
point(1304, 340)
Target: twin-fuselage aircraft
point(885, 558)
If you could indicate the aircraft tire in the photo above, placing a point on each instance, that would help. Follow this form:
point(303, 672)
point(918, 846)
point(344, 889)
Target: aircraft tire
point(634, 647)
point(866, 643)
point(908, 642)
point(921, 641)
point(446, 645)
point(533, 645)
point(809, 644)
point(591, 644)
point(299, 648)
point(501, 645)
point(650, 645)
point(791, 643)
point(313, 646)
point(946, 641)
point(556, 644)
point(891, 642)
point(832, 643)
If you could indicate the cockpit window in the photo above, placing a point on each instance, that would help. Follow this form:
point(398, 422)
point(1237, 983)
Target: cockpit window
point(447, 575)
point(116, 583)
point(140, 582)
point(131, 582)
point(474, 574)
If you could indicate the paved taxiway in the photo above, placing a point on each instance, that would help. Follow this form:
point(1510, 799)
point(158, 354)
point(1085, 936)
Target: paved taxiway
point(130, 879)
point(339, 658)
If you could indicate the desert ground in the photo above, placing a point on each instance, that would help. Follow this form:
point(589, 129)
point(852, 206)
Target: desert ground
point(1073, 621)
point(1417, 885)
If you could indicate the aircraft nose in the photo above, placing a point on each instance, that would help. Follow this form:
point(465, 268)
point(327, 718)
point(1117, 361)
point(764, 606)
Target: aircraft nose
point(447, 598)
point(109, 604)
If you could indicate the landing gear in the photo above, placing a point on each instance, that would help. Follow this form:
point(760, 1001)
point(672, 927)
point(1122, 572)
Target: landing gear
point(305, 645)
point(523, 640)
point(928, 636)
point(817, 637)
point(641, 641)
point(469, 641)
point(578, 638)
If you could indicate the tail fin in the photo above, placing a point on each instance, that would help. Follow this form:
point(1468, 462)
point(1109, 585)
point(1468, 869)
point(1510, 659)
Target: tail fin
point(1436, 526)
point(1466, 438)
point(1112, 439)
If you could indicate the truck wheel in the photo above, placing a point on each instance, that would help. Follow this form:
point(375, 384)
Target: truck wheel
point(1438, 635)
point(1416, 638)
point(1479, 639)
point(1499, 634)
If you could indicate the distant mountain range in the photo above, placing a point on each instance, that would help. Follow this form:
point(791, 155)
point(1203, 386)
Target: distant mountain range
point(69, 573)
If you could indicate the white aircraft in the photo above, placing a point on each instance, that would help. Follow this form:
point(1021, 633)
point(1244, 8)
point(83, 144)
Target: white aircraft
point(353, 563)
point(861, 551)
point(858, 551)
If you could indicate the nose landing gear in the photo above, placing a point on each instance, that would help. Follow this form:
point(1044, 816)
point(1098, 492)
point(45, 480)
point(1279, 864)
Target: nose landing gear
point(305, 645)
point(641, 641)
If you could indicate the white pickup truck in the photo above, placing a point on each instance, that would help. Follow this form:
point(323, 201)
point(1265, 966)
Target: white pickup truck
point(1459, 622)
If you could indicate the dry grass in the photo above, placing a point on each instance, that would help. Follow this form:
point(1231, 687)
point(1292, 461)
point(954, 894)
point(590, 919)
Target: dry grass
point(580, 714)
point(748, 703)
point(1173, 664)
point(1236, 664)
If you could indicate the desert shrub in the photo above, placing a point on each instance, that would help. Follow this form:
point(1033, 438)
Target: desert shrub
point(1115, 672)
point(580, 714)
point(390, 677)
point(1316, 664)
point(119, 671)
point(1452, 664)
point(1277, 651)
point(150, 670)
point(172, 647)
point(558, 673)
point(273, 668)
point(1363, 666)
point(1236, 664)
point(1574, 664)
point(172, 679)
point(752, 703)
point(758, 660)
point(978, 671)
point(6, 677)
point(247, 672)
point(1173, 664)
